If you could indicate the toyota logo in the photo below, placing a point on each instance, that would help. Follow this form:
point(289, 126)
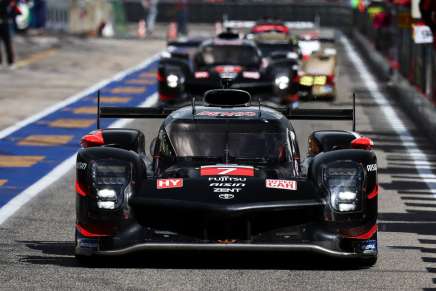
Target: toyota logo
point(226, 196)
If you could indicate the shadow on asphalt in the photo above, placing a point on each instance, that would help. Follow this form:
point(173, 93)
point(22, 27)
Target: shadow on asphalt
point(60, 253)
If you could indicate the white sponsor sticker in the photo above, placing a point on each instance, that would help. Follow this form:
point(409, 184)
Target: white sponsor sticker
point(371, 168)
point(281, 184)
point(169, 183)
point(81, 166)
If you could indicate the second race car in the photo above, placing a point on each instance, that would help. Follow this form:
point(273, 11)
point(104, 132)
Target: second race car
point(189, 71)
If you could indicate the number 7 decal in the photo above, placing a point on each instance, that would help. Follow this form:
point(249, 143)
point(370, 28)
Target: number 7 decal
point(227, 171)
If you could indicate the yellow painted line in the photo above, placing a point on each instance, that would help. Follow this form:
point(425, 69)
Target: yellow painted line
point(36, 57)
point(45, 140)
point(128, 90)
point(72, 123)
point(19, 161)
point(85, 110)
point(2, 182)
point(141, 82)
point(114, 99)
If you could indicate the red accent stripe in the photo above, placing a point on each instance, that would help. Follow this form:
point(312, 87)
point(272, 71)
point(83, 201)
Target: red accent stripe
point(80, 190)
point(88, 233)
point(159, 76)
point(374, 192)
point(367, 235)
point(164, 97)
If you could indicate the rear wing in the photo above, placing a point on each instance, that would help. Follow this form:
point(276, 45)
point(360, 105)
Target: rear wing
point(241, 24)
point(294, 114)
point(186, 43)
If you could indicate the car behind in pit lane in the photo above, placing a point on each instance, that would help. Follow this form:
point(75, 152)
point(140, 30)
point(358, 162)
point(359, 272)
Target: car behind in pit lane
point(317, 77)
point(226, 175)
point(188, 69)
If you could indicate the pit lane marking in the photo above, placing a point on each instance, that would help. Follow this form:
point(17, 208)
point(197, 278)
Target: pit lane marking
point(86, 110)
point(11, 129)
point(128, 90)
point(419, 158)
point(114, 99)
point(72, 123)
point(18, 200)
point(45, 140)
point(3, 182)
point(8, 161)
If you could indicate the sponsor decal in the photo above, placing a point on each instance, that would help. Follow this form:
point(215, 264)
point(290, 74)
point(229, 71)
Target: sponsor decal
point(251, 75)
point(81, 166)
point(227, 113)
point(281, 184)
point(227, 179)
point(226, 196)
point(227, 185)
point(87, 243)
point(201, 75)
point(228, 69)
point(169, 183)
point(369, 246)
point(371, 168)
point(227, 171)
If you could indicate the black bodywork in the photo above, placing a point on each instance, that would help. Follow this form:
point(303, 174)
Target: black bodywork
point(198, 66)
point(213, 184)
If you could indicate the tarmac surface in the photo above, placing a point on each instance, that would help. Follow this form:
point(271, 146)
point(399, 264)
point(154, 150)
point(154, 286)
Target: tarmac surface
point(36, 244)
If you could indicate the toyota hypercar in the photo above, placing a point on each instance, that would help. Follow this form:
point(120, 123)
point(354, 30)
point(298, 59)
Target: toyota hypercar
point(226, 175)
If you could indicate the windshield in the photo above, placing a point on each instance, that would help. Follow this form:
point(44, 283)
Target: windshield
point(229, 55)
point(230, 143)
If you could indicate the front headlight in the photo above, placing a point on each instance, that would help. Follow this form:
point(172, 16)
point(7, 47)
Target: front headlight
point(282, 82)
point(173, 81)
point(344, 182)
point(111, 181)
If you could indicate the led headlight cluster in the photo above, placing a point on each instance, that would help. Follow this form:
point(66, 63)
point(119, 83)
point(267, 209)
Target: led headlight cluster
point(112, 183)
point(173, 80)
point(344, 182)
point(282, 82)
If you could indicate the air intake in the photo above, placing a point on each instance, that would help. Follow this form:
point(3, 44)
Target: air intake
point(227, 98)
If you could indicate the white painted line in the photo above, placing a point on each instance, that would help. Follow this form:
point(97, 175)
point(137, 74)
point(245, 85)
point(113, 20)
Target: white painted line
point(9, 130)
point(21, 199)
point(408, 141)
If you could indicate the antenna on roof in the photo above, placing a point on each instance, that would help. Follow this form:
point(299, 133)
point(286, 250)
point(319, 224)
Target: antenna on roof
point(260, 112)
point(193, 106)
point(354, 111)
point(98, 109)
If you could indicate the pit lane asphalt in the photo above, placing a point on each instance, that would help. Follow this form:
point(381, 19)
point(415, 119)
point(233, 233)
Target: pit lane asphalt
point(36, 244)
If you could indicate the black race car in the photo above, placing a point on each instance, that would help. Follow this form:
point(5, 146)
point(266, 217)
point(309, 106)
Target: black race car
point(226, 176)
point(191, 68)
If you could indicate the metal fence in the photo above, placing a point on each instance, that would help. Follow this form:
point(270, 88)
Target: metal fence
point(415, 62)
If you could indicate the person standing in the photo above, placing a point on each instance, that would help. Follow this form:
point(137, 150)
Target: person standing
point(182, 17)
point(151, 16)
point(7, 9)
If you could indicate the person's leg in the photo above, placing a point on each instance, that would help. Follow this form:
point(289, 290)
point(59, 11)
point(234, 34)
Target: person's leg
point(152, 14)
point(7, 39)
point(2, 41)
